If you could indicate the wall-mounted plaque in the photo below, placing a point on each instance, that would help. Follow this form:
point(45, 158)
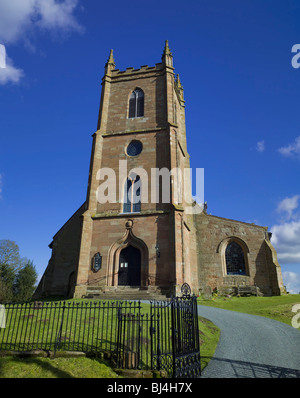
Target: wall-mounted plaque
point(97, 262)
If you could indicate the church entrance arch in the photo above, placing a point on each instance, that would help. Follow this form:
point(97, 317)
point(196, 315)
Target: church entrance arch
point(129, 267)
point(128, 261)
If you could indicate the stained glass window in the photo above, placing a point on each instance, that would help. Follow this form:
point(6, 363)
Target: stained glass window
point(235, 261)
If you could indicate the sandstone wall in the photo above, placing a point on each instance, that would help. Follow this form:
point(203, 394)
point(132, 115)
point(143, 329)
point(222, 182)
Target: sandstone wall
point(213, 233)
point(59, 278)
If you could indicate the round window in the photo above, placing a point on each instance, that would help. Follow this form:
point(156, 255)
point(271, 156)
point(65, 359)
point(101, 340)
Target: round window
point(134, 148)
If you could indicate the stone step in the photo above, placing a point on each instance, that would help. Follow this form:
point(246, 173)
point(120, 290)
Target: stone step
point(125, 293)
point(125, 298)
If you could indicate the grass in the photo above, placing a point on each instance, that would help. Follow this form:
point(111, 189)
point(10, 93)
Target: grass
point(82, 325)
point(278, 308)
point(35, 327)
point(209, 337)
point(15, 367)
point(82, 367)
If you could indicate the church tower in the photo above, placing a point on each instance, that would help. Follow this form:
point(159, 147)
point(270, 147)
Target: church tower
point(139, 234)
point(134, 221)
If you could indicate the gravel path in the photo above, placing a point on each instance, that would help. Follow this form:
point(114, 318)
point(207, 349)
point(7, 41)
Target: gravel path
point(252, 346)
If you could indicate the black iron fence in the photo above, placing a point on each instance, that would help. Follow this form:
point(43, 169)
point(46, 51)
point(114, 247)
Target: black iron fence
point(72, 326)
point(162, 335)
point(166, 338)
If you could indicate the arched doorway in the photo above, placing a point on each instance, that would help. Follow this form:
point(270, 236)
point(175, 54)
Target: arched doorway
point(129, 267)
point(141, 256)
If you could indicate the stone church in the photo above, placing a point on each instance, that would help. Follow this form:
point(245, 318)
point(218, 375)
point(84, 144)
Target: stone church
point(129, 247)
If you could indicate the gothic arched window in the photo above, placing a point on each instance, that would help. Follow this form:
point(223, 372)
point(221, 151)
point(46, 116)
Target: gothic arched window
point(132, 194)
point(235, 260)
point(136, 103)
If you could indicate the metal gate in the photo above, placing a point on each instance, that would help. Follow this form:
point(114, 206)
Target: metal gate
point(166, 338)
point(185, 337)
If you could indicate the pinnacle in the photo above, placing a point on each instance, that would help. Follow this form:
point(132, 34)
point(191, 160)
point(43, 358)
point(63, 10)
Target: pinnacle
point(167, 50)
point(178, 81)
point(111, 59)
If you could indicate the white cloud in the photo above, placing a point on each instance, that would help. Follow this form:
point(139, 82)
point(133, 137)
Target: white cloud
point(10, 74)
point(260, 146)
point(288, 205)
point(15, 18)
point(291, 149)
point(286, 235)
point(55, 15)
point(286, 240)
point(292, 282)
point(19, 19)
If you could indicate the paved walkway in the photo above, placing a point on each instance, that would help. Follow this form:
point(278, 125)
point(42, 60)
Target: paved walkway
point(252, 346)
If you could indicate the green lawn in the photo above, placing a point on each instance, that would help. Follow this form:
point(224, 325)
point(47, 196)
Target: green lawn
point(81, 325)
point(14, 367)
point(35, 327)
point(209, 337)
point(276, 307)
point(81, 367)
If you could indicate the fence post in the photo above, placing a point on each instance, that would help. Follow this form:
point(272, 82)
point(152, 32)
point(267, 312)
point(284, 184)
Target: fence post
point(58, 339)
point(197, 340)
point(173, 328)
point(158, 344)
point(119, 332)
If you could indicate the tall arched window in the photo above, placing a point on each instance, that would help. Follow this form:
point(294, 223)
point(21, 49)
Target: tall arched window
point(136, 103)
point(132, 194)
point(235, 260)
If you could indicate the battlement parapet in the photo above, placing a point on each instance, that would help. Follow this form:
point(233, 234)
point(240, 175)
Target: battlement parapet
point(131, 70)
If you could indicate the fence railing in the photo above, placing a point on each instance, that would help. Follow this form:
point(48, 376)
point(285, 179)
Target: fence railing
point(144, 338)
point(162, 335)
point(72, 326)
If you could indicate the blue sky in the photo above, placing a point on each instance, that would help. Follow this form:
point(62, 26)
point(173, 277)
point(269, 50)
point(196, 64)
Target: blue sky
point(242, 104)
